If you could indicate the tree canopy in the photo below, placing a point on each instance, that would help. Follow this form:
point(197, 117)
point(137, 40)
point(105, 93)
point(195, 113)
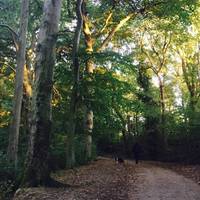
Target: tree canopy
point(125, 71)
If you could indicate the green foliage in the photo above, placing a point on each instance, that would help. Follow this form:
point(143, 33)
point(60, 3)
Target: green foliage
point(177, 9)
point(123, 83)
point(9, 12)
point(7, 178)
point(6, 89)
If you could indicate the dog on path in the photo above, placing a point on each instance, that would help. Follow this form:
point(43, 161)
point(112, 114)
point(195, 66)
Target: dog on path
point(119, 160)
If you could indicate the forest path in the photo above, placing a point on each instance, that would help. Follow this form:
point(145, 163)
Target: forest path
point(155, 183)
point(107, 180)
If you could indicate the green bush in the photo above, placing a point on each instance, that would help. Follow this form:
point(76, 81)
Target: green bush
point(7, 189)
point(8, 179)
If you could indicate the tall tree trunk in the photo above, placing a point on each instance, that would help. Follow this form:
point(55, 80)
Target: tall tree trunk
point(163, 120)
point(18, 94)
point(88, 131)
point(136, 124)
point(191, 89)
point(37, 171)
point(192, 106)
point(26, 106)
point(162, 103)
point(88, 122)
point(75, 91)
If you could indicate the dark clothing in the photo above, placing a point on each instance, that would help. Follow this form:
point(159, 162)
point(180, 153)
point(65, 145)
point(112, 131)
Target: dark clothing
point(136, 152)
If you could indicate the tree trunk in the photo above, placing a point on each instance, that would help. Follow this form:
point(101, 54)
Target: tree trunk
point(88, 122)
point(88, 132)
point(75, 90)
point(37, 171)
point(162, 103)
point(70, 150)
point(136, 124)
point(163, 121)
point(191, 89)
point(26, 106)
point(18, 94)
point(192, 107)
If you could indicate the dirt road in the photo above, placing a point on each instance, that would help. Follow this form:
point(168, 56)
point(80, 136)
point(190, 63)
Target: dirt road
point(155, 183)
point(107, 180)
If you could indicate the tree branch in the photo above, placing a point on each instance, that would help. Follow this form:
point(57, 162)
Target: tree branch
point(14, 34)
point(113, 31)
point(10, 29)
point(106, 22)
point(3, 63)
point(76, 41)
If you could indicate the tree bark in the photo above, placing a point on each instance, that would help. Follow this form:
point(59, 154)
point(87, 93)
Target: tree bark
point(75, 90)
point(19, 77)
point(192, 89)
point(37, 171)
point(88, 121)
point(162, 103)
point(26, 102)
point(88, 131)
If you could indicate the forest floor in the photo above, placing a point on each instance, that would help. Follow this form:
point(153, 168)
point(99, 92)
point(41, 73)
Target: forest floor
point(105, 179)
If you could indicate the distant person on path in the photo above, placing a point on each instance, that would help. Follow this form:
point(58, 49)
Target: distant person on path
point(136, 152)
